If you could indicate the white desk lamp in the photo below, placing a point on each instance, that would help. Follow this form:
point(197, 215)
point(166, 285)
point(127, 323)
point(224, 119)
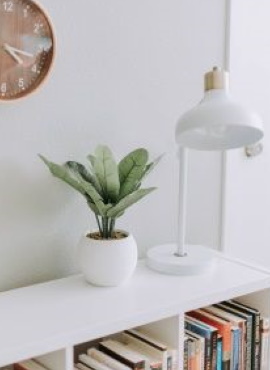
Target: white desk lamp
point(216, 123)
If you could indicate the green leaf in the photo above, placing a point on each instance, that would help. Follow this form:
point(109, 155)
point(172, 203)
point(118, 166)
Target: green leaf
point(131, 169)
point(106, 171)
point(63, 174)
point(94, 208)
point(79, 169)
point(91, 159)
point(126, 202)
point(150, 166)
point(84, 187)
point(95, 197)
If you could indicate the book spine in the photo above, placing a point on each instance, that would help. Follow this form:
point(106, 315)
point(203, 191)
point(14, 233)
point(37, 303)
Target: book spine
point(186, 354)
point(257, 340)
point(265, 334)
point(235, 349)
point(226, 365)
point(202, 355)
point(197, 344)
point(249, 344)
point(207, 347)
point(190, 355)
point(219, 353)
point(213, 345)
point(135, 366)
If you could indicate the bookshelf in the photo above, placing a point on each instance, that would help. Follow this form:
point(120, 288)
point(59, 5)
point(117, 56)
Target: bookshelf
point(51, 321)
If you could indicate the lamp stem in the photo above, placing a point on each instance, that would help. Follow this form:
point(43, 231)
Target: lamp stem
point(182, 156)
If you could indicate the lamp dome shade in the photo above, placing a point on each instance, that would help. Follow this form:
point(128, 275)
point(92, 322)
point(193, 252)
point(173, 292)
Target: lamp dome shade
point(218, 123)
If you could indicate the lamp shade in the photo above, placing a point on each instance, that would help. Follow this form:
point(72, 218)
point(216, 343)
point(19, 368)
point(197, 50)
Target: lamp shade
point(218, 122)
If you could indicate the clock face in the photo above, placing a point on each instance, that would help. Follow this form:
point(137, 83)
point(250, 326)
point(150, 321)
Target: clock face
point(26, 48)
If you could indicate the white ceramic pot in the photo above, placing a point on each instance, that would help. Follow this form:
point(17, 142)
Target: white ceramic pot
point(107, 262)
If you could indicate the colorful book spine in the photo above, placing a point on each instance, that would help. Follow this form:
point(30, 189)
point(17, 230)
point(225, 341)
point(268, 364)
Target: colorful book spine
point(235, 348)
point(255, 332)
point(219, 352)
point(248, 332)
point(224, 329)
point(200, 345)
point(210, 336)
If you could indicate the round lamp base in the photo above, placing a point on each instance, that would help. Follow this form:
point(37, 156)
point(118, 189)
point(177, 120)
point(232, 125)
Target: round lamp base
point(198, 260)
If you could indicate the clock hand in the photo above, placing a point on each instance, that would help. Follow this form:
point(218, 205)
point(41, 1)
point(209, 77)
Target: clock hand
point(7, 48)
point(22, 52)
point(14, 53)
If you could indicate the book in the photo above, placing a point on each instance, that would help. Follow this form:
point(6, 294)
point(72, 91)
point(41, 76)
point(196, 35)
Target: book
point(235, 348)
point(256, 332)
point(147, 339)
point(29, 365)
point(191, 354)
point(91, 362)
point(265, 332)
point(106, 360)
point(81, 366)
point(171, 353)
point(248, 332)
point(219, 352)
point(154, 359)
point(255, 336)
point(185, 353)
point(224, 329)
point(210, 335)
point(158, 348)
point(123, 354)
point(235, 321)
point(194, 351)
point(201, 344)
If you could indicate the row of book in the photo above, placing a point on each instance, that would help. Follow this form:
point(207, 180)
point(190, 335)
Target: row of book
point(226, 336)
point(131, 349)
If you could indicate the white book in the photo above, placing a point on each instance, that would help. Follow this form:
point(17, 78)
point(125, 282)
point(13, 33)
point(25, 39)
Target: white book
point(106, 359)
point(156, 358)
point(29, 365)
point(147, 338)
point(131, 357)
point(171, 353)
point(91, 362)
point(81, 366)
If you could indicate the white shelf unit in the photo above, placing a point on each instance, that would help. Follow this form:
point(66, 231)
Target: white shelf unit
point(46, 321)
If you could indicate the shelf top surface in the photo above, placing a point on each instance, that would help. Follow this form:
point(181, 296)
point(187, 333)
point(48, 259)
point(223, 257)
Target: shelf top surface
point(56, 314)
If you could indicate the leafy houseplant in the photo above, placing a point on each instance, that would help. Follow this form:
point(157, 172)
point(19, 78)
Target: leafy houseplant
point(109, 189)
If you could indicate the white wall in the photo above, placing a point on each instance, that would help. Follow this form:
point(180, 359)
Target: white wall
point(247, 231)
point(124, 72)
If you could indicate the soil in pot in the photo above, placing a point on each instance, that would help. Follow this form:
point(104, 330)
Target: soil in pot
point(116, 235)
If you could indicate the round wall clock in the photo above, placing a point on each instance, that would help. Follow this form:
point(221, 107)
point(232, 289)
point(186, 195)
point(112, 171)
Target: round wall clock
point(26, 48)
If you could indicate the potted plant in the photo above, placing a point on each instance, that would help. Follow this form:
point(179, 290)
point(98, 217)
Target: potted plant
point(107, 256)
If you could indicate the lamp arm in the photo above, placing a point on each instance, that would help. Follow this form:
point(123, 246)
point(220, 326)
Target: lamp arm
point(182, 199)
